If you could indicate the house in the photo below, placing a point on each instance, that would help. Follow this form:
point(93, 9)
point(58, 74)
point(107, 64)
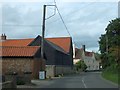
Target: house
point(58, 56)
point(90, 60)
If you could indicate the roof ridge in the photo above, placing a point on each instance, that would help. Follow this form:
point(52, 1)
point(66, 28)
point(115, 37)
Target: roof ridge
point(20, 39)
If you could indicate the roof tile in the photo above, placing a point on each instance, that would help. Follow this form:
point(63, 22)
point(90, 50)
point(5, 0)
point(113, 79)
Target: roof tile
point(18, 51)
point(16, 42)
point(63, 42)
point(88, 54)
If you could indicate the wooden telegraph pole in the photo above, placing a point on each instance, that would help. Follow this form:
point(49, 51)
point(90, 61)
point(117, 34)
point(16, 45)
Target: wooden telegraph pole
point(43, 32)
point(42, 39)
point(42, 74)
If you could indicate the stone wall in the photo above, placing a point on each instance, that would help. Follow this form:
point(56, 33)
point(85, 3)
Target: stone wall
point(63, 70)
point(52, 70)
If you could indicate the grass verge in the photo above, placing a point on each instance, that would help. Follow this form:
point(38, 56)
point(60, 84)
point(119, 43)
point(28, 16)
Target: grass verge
point(111, 76)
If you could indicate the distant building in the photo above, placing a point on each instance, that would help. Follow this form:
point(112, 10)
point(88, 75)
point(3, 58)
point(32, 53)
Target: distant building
point(90, 58)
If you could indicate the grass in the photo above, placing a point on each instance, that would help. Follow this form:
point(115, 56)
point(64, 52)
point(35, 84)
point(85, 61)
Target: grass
point(111, 76)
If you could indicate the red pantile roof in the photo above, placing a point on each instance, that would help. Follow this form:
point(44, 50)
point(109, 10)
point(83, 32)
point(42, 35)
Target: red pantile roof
point(88, 54)
point(63, 42)
point(18, 51)
point(16, 42)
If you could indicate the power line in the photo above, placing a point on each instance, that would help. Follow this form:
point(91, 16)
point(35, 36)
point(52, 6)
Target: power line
point(71, 13)
point(67, 16)
point(62, 18)
point(64, 23)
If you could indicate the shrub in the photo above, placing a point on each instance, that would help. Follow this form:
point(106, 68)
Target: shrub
point(81, 65)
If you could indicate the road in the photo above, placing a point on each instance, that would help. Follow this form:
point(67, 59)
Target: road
point(82, 80)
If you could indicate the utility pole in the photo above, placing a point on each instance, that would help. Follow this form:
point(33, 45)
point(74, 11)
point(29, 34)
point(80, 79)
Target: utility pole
point(43, 28)
point(42, 74)
point(42, 69)
point(43, 32)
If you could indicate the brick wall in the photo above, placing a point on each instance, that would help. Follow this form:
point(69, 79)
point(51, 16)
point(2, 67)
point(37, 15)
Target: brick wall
point(16, 65)
point(20, 65)
point(37, 65)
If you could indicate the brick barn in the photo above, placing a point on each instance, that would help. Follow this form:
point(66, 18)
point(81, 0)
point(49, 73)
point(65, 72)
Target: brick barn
point(25, 53)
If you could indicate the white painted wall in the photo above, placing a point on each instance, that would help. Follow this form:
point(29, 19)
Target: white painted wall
point(91, 62)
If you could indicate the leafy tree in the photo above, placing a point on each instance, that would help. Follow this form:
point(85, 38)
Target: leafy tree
point(80, 65)
point(110, 41)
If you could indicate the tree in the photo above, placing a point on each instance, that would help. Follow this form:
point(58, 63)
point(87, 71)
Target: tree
point(80, 65)
point(110, 41)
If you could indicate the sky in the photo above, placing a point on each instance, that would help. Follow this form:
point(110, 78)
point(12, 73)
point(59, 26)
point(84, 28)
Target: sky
point(85, 20)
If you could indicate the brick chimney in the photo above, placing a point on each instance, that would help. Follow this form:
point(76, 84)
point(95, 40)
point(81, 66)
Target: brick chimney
point(3, 37)
point(83, 46)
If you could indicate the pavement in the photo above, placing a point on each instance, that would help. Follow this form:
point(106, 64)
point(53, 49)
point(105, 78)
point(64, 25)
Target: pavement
point(81, 80)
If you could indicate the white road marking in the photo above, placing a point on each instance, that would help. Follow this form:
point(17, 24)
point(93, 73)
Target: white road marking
point(84, 83)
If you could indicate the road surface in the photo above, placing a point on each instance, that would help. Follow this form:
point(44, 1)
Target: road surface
point(82, 80)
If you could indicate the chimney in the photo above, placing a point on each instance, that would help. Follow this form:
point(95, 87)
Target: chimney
point(3, 37)
point(83, 46)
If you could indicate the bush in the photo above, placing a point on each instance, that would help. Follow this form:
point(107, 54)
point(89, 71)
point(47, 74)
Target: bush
point(81, 65)
point(112, 68)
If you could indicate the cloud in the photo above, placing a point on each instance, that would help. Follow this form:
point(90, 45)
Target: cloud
point(85, 21)
point(11, 16)
point(60, 0)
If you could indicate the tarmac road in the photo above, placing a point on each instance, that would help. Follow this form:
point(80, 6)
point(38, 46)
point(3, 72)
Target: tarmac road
point(82, 80)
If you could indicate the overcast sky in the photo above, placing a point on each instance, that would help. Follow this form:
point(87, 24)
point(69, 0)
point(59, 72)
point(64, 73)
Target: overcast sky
point(86, 21)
